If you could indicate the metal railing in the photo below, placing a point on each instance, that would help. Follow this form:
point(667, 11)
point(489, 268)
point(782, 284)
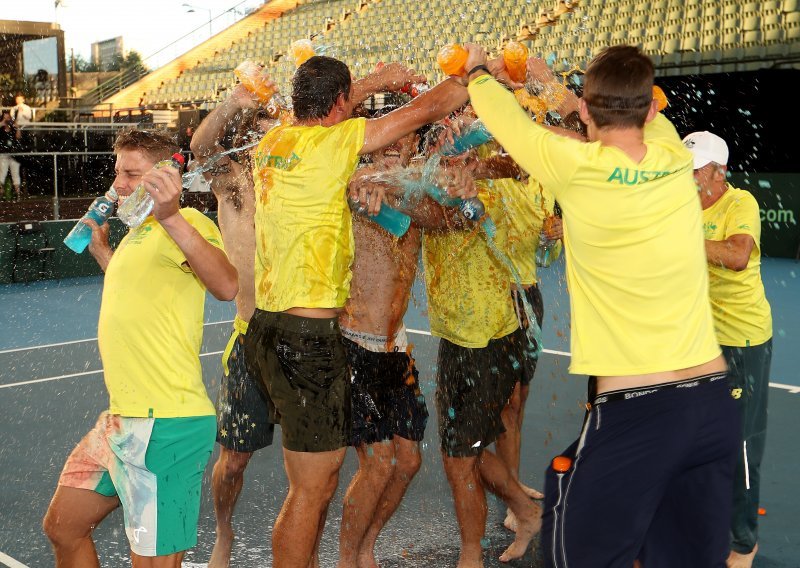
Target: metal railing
point(55, 156)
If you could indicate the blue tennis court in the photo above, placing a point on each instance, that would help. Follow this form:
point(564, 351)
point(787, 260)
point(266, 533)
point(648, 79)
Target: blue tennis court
point(51, 391)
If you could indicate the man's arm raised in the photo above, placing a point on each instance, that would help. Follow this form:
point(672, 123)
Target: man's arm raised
point(437, 103)
point(389, 77)
point(209, 263)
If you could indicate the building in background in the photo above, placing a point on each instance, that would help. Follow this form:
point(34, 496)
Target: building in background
point(108, 53)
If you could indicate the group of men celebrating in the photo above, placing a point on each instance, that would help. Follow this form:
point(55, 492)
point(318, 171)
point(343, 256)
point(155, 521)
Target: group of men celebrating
point(319, 345)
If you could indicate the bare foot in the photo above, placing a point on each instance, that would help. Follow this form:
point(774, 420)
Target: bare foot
point(366, 559)
point(511, 521)
point(531, 492)
point(737, 560)
point(221, 554)
point(527, 528)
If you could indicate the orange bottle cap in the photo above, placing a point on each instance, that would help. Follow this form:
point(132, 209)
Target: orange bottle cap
point(660, 97)
point(561, 464)
point(762, 511)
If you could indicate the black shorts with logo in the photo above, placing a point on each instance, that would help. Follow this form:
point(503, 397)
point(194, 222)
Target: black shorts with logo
point(385, 394)
point(302, 363)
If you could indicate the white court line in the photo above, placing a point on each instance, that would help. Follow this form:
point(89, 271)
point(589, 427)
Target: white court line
point(550, 351)
point(793, 389)
point(18, 349)
point(10, 562)
point(81, 374)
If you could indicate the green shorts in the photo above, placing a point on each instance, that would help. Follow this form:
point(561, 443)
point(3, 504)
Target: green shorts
point(155, 466)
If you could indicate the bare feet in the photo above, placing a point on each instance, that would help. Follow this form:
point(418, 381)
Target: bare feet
point(737, 560)
point(221, 554)
point(511, 521)
point(366, 559)
point(531, 492)
point(527, 528)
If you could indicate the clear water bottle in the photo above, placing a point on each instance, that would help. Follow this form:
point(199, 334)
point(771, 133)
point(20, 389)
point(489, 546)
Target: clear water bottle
point(392, 220)
point(472, 136)
point(138, 205)
point(99, 211)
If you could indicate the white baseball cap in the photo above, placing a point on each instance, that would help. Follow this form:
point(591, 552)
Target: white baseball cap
point(706, 148)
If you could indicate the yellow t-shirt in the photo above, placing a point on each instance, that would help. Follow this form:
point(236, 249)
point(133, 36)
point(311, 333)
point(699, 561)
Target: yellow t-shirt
point(742, 315)
point(304, 235)
point(469, 300)
point(525, 207)
point(151, 324)
point(636, 266)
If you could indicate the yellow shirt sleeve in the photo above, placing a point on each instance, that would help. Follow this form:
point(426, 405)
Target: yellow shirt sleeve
point(743, 217)
point(546, 156)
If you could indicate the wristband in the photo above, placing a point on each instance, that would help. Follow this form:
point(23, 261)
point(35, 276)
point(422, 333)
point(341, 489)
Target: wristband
point(478, 68)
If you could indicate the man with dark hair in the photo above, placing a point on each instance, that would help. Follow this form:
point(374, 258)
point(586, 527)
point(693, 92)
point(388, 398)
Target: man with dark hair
point(147, 453)
point(651, 474)
point(743, 320)
point(304, 247)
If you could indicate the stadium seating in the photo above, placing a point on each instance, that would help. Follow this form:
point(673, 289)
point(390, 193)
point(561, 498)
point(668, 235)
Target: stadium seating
point(682, 36)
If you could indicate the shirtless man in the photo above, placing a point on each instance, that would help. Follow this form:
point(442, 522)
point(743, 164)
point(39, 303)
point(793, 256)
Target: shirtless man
point(389, 412)
point(243, 424)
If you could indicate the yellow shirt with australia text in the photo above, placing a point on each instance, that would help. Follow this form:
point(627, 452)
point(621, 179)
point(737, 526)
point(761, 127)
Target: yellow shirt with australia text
point(636, 267)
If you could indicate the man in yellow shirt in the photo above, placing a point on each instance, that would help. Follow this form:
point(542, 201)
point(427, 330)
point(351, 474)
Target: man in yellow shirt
point(743, 320)
point(304, 248)
point(651, 474)
point(148, 452)
point(480, 360)
point(244, 411)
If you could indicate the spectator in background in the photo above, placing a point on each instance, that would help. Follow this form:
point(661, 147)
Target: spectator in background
point(9, 142)
point(22, 113)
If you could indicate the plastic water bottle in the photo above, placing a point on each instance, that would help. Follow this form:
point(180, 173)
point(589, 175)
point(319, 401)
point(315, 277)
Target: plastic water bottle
point(138, 205)
point(548, 251)
point(452, 58)
point(392, 220)
point(99, 211)
point(472, 208)
point(472, 136)
point(515, 57)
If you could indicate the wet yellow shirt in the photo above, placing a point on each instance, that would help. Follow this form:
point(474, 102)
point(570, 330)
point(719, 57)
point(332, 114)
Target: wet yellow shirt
point(151, 324)
point(742, 315)
point(304, 235)
point(469, 301)
point(526, 205)
point(636, 267)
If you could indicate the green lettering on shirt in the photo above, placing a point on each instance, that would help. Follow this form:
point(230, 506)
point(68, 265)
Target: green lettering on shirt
point(627, 176)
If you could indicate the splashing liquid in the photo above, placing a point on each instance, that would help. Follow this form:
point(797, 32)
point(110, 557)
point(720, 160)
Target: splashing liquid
point(534, 329)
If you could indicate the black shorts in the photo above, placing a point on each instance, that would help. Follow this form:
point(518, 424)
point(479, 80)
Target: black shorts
point(302, 363)
point(385, 394)
point(473, 387)
point(244, 410)
point(651, 477)
point(530, 350)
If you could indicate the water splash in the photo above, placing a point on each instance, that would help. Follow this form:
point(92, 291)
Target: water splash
point(188, 178)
